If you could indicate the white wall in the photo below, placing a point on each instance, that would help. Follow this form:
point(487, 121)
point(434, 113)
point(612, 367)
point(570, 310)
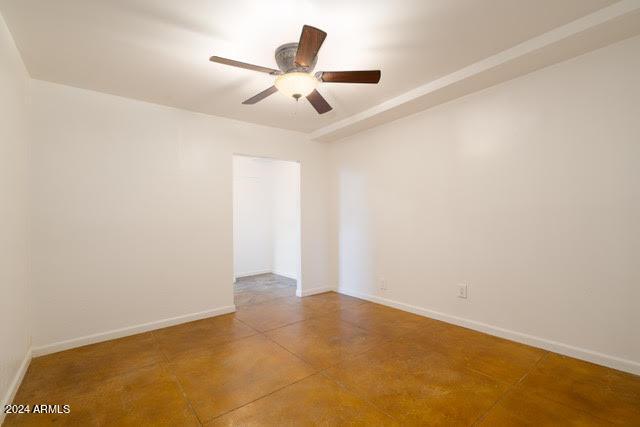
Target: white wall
point(133, 210)
point(15, 325)
point(529, 191)
point(286, 218)
point(266, 216)
point(253, 216)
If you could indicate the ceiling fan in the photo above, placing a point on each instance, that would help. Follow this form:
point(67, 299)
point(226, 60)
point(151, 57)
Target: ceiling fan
point(296, 62)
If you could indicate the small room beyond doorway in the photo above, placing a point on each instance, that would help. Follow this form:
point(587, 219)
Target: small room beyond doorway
point(266, 229)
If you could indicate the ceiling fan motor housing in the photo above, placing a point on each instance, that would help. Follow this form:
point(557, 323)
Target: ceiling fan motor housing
point(285, 58)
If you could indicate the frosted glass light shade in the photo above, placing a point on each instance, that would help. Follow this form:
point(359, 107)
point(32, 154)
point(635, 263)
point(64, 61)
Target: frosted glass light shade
point(296, 84)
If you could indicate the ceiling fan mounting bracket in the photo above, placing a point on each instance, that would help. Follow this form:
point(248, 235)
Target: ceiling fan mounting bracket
point(285, 58)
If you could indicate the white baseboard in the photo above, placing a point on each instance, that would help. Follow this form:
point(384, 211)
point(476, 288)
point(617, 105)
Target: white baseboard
point(313, 291)
point(15, 384)
point(287, 275)
point(557, 347)
point(252, 273)
point(129, 330)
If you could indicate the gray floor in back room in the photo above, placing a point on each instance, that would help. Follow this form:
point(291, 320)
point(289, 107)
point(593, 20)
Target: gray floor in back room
point(262, 287)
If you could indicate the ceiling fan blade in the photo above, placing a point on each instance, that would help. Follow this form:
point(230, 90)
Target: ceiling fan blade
point(370, 76)
point(262, 95)
point(318, 102)
point(226, 61)
point(311, 39)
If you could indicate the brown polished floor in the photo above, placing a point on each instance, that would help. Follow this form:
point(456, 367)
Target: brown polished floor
point(324, 360)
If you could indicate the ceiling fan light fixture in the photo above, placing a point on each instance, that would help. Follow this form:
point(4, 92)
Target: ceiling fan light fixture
point(296, 84)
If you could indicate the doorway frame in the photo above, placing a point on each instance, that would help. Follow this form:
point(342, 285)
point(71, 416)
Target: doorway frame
point(299, 215)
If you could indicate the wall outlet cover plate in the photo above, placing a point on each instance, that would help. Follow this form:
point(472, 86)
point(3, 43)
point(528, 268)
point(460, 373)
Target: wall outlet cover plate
point(463, 291)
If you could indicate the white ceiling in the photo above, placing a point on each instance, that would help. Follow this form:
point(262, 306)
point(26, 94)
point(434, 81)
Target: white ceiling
point(158, 51)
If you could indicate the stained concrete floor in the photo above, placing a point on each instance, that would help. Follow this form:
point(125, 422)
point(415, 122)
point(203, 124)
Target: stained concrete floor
point(327, 360)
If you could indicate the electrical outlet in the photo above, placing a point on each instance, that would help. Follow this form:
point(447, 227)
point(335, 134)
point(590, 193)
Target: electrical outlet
point(382, 282)
point(463, 290)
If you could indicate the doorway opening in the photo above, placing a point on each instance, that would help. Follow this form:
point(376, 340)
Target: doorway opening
point(266, 229)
